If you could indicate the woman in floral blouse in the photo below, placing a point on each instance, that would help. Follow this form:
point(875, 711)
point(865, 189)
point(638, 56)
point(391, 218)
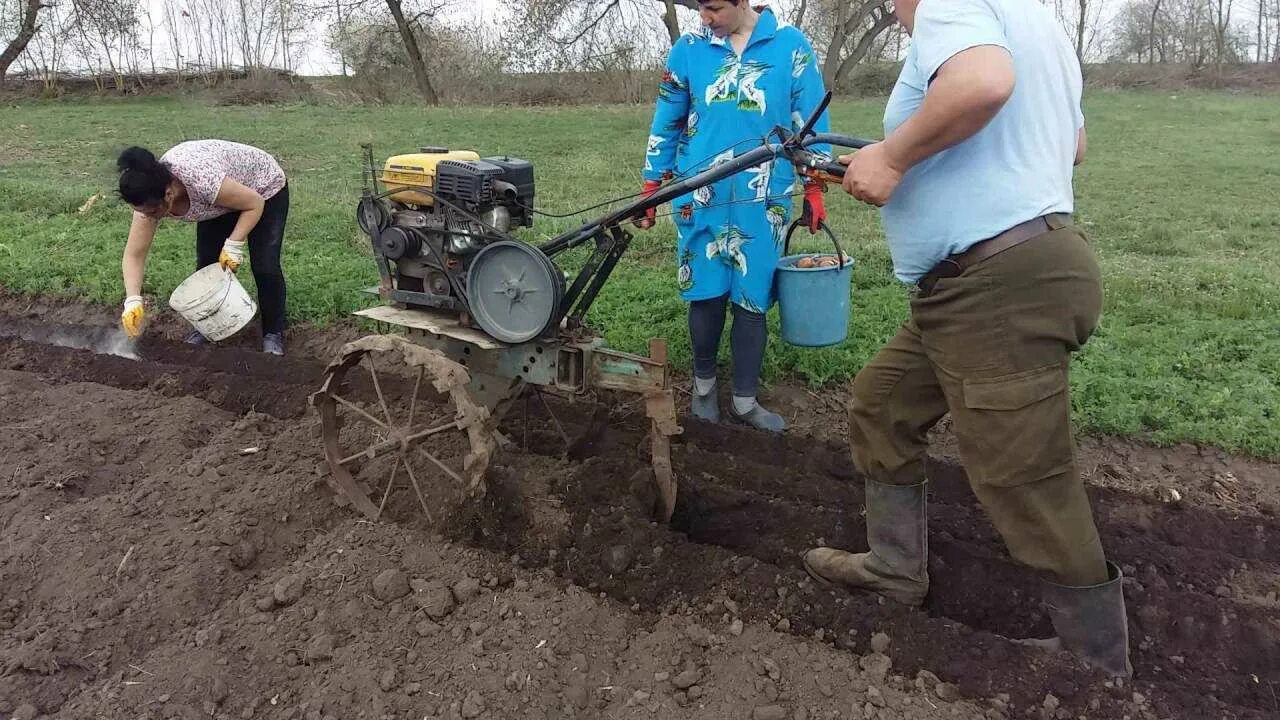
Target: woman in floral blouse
point(238, 197)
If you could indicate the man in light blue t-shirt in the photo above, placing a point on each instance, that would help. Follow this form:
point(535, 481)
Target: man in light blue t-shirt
point(982, 131)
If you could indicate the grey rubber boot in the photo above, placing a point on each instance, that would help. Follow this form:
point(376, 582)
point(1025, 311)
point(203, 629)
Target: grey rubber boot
point(759, 418)
point(897, 566)
point(273, 343)
point(1091, 622)
point(705, 407)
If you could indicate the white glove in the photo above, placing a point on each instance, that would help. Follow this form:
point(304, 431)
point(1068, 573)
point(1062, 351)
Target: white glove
point(232, 255)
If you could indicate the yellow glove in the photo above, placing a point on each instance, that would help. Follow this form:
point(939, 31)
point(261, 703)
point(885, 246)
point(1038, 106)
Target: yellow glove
point(232, 254)
point(132, 317)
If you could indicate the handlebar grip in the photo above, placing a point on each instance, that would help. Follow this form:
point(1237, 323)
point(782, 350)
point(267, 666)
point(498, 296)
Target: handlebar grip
point(832, 168)
point(832, 172)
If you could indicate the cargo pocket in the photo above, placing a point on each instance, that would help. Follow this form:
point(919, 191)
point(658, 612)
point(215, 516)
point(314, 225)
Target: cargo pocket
point(1016, 429)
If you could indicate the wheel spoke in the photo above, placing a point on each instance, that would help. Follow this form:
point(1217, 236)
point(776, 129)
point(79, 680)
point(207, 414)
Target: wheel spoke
point(414, 479)
point(359, 410)
point(390, 484)
point(381, 448)
point(378, 387)
point(440, 465)
point(413, 402)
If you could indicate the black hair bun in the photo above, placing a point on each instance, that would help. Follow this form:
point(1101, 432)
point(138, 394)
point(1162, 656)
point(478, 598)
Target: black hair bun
point(137, 158)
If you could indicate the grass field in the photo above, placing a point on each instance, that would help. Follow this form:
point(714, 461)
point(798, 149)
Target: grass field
point(1181, 195)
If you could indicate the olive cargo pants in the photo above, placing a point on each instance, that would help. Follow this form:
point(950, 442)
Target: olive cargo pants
point(991, 346)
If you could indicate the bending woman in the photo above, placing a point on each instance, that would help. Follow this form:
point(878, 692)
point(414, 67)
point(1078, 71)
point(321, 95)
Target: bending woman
point(238, 197)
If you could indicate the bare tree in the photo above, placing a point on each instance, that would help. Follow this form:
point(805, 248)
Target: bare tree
point(27, 28)
point(266, 30)
point(150, 48)
point(1151, 48)
point(572, 23)
point(409, 36)
point(853, 30)
point(1262, 13)
point(1193, 32)
point(341, 35)
point(252, 27)
point(585, 35)
point(1221, 22)
point(44, 54)
point(1084, 13)
point(108, 31)
point(798, 18)
point(671, 20)
point(173, 29)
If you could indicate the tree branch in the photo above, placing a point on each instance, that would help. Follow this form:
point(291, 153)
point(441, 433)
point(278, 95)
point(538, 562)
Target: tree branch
point(883, 21)
point(591, 25)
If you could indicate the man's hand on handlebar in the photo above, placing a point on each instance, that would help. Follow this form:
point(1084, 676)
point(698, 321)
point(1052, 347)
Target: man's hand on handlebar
point(872, 176)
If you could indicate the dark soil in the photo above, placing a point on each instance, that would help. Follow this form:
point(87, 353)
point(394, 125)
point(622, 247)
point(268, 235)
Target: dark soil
point(170, 550)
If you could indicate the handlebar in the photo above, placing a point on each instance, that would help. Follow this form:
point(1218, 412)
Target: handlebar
point(792, 148)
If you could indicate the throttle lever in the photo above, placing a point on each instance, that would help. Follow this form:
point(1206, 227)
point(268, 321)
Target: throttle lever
point(812, 166)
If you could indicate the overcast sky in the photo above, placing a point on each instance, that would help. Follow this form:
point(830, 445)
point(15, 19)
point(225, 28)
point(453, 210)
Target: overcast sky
point(314, 58)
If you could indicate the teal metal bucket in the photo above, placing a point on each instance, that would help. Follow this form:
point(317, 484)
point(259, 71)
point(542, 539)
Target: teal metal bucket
point(813, 303)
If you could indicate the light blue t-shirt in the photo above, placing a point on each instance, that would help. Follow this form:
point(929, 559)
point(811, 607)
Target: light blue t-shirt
point(1017, 167)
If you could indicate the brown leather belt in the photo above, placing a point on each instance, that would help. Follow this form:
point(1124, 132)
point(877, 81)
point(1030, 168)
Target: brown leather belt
point(985, 249)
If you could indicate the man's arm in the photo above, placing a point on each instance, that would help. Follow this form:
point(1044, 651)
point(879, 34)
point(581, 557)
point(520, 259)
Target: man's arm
point(1081, 142)
point(966, 92)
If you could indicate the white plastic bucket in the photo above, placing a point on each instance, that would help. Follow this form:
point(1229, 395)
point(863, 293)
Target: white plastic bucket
point(214, 301)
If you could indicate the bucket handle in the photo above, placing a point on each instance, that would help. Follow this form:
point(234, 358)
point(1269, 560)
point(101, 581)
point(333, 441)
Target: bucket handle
point(796, 224)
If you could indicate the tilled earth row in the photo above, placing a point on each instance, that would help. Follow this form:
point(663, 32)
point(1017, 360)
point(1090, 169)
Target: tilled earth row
point(170, 550)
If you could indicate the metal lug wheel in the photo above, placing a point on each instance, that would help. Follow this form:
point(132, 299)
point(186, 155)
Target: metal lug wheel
point(400, 429)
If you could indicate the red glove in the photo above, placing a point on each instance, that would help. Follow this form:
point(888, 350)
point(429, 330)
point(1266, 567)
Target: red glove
point(650, 216)
point(814, 213)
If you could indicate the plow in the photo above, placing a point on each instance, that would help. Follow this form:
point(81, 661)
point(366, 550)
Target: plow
point(478, 319)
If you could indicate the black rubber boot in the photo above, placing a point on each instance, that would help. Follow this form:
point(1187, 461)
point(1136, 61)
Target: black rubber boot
point(897, 566)
point(1091, 622)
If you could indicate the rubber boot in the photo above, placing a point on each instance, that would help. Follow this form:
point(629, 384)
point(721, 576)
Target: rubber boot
point(897, 566)
point(759, 418)
point(195, 338)
point(705, 407)
point(273, 343)
point(1091, 622)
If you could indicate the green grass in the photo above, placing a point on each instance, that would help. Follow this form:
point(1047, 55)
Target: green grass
point(1181, 195)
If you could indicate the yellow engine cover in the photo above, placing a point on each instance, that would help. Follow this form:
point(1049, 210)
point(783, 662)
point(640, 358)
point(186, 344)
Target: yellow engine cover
point(404, 171)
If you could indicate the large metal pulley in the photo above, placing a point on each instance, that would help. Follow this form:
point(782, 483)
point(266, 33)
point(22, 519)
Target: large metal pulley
point(514, 291)
point(373, 213)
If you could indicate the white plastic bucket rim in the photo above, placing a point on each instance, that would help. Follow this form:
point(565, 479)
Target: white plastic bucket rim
point(213, 300)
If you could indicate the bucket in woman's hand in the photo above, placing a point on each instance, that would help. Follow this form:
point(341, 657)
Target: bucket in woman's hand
point(813, 301)
point(214, 301)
